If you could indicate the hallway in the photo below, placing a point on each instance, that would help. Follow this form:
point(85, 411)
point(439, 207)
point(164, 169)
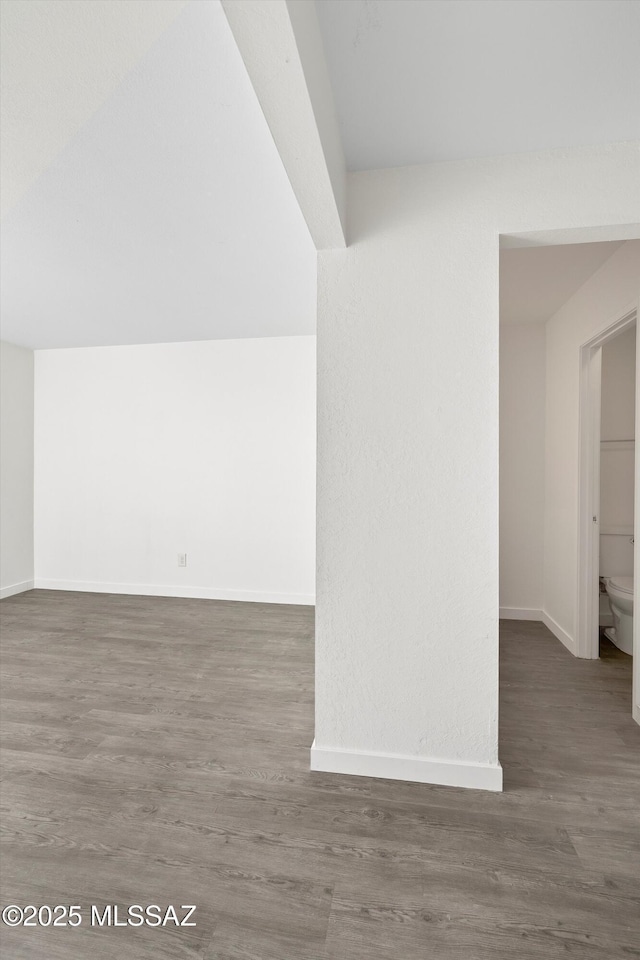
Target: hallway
point(157, 751)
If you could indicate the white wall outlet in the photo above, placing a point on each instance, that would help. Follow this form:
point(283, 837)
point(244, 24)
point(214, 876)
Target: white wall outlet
point(182, 559)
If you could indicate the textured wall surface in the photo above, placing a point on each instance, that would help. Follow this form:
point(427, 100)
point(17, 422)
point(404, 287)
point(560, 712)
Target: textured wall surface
point(407, 581)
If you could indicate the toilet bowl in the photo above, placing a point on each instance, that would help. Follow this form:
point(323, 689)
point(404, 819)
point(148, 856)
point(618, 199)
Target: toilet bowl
point(620, 591)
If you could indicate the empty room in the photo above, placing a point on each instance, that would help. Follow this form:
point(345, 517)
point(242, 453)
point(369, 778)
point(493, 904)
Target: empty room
point(319, 479)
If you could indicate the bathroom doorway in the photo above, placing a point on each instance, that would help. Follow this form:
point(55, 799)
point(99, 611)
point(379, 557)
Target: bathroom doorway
point(608, 467)
point(617, 485)
point(552, 357)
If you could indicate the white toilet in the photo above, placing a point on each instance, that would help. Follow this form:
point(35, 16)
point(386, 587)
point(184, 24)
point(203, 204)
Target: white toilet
point(620, 591)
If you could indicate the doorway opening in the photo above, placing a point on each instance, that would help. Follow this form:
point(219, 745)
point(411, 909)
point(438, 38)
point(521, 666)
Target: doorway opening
point(569, 503)
point(608, 464)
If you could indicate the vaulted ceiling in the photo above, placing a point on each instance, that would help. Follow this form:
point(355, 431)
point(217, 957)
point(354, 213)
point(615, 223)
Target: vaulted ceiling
point(146, 198)
point(143, 197)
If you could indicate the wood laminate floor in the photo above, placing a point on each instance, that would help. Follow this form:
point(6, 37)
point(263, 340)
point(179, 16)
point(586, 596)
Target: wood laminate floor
point(156, 751)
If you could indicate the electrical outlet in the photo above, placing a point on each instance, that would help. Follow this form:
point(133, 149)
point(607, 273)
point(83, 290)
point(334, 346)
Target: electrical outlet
point(182, 559)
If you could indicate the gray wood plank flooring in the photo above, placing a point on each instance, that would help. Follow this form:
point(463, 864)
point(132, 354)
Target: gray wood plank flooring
point(156, 751)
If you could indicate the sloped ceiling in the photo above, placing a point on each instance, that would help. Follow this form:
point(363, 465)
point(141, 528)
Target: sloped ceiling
point(146, 199)
point(59, 61)
point(146, 202)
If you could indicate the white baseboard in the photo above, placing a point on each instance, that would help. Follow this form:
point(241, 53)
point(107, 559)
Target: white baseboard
point(520, 613)
point(558, 632)
point(162, 590)
point(14, 588)
point(476, 776)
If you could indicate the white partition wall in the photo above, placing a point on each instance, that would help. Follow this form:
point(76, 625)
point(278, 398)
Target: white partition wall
point(407, 588)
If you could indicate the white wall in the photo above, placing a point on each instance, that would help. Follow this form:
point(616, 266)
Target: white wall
point(206, 448)
point(605, 297)
point(522, 416)
point(617, 454)
point(16, 469)
point(407, 584)
point(617, 414)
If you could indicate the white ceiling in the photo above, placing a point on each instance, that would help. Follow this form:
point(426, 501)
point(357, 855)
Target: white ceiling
point(146, 199)
point(163, 214)
point(59, 61)
point(536, 281)
point(418, 81)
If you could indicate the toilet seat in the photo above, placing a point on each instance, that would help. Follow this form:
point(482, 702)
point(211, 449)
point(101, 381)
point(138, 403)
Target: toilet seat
point(622, 584)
